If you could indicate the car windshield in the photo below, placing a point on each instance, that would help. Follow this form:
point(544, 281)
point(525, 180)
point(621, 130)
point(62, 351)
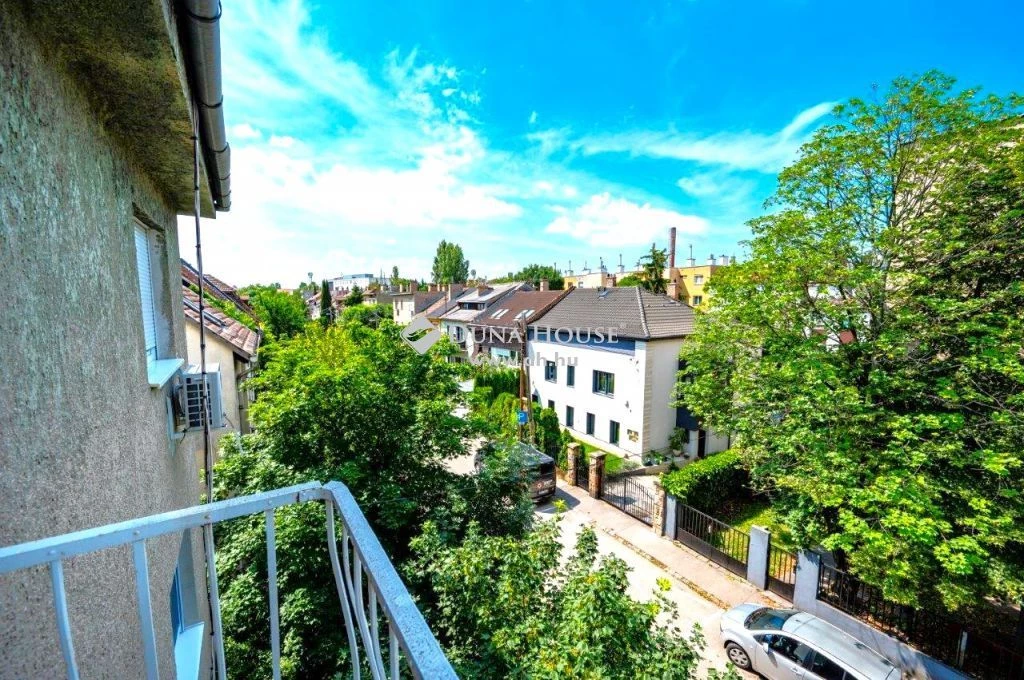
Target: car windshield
point(768, 619)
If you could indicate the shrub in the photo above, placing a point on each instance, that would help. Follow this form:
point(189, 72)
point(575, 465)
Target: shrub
point(500, 380)
point(705, 483)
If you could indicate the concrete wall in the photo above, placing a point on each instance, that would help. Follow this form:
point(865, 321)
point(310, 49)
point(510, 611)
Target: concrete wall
point(84, 438)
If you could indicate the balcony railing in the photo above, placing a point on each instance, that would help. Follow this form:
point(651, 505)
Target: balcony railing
point(369, 588)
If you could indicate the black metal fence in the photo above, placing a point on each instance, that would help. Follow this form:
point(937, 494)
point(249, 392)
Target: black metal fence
point(950, 641)
point(630, 495)
point(781, 571)
point(716, 540)
point(582, 473)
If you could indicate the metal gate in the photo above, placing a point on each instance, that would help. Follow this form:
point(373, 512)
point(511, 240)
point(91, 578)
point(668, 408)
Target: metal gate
point(630, 496)
point(582, 475)
point(715, 540)
point(781, 571)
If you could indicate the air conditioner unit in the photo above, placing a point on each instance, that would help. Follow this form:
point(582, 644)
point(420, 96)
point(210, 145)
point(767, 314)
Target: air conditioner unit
point(192, 382)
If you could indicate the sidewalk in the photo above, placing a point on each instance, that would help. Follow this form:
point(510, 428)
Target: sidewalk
point(712, 582)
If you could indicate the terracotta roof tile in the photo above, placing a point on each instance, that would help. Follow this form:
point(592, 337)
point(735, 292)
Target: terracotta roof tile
point(245, 340)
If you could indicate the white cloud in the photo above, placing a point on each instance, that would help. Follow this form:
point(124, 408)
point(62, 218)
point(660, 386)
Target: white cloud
point(244, 131)
point(282, 141)
point(607, 221)
point(716, 184)
point(746, 150)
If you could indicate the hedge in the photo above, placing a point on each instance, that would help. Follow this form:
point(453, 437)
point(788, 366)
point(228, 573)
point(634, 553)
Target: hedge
point(500, 380)
point(705, 483)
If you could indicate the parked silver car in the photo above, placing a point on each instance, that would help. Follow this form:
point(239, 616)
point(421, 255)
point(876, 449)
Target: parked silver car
point(786, 644)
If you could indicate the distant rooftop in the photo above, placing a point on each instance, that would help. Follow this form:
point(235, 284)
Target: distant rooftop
point(634, 312)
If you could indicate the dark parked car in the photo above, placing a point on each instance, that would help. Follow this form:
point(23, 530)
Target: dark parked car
point(541, 468)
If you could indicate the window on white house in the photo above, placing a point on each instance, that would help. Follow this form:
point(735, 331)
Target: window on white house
point(146, 293)
point(570, 414)
point(570, 376)
point(613, 432)
point(551, 404)
point(550, 371)
point(591, 423)
point(604, 383)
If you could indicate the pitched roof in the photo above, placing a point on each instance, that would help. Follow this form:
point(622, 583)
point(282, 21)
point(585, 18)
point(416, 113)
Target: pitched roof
point(245, 340)
point(505, 313)
point(485, 293)
point(215, 287)
point(634, 312)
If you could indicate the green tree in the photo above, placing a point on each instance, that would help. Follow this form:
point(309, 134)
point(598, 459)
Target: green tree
point(326, 306)
point(630, 281)
point(354, 297)
point(512, 607)
point(450, 265)
point(533, 273)
point(355, 404)
point(394, 276)
point(652, 270)
point(282, 315)
point(867, 355)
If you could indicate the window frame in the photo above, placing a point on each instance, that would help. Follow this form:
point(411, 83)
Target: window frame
point(143, 241)
point(697, 299)
point(570, 376)
point(550, 371)
point(591, 424)
point(570, 416)
point(614, 432)
point(603, 383)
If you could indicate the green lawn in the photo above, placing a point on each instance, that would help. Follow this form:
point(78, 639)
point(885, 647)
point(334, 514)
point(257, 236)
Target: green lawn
point(612, 462)
point(743, 514)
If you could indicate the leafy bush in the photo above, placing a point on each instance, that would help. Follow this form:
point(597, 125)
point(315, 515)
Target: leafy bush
point(704, 483)
point(500, 380)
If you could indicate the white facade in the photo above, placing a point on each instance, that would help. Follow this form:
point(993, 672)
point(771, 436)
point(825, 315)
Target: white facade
point(641, 403)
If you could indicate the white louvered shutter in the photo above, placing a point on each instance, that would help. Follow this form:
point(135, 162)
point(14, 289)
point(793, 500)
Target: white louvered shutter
point(146, 290)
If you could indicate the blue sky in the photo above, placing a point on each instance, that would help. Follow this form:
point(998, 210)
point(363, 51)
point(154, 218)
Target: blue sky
point(365, 132)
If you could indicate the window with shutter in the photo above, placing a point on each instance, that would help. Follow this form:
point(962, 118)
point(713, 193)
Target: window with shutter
point(146, 290)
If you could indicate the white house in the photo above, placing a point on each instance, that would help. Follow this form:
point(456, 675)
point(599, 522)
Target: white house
point(471, 305)
point(606, 361)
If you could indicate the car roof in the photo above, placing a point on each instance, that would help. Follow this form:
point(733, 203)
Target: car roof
point(840, 646)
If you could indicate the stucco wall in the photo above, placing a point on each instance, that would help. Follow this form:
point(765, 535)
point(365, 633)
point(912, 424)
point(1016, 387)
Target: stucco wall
point(663, 359)
point(84, 438)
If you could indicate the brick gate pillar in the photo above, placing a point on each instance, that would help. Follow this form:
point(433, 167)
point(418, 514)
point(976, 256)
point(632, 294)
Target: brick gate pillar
point(572, 453)
point(658, 513)
point(596, 478)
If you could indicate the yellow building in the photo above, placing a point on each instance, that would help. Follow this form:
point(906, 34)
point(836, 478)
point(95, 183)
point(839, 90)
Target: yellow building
point(687, 284)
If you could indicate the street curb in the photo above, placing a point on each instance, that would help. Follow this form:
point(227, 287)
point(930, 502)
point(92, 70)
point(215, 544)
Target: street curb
point(721, 604)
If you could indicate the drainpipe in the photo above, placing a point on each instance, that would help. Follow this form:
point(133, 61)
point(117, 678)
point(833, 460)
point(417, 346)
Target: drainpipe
point(202, 55)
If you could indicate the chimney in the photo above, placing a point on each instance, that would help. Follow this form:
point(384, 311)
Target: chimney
point(672, 249)
point(454, 290)
point(732, 259)
point(432, 287)
point(622, 267)
point(723, 260)
point(481, 288)
point(711, 259)
point(690, 262)
point(673, 290)
point(545, 284)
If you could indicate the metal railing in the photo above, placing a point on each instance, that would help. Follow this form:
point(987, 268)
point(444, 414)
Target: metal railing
point(713, 538)
point(368, 586)
point(629, 495)
point(951, 641)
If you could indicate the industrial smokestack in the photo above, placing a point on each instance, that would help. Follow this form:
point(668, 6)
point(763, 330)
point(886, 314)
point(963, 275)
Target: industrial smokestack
point(672, 248)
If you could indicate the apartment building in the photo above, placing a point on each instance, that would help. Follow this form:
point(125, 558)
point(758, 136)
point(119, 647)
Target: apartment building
point(606, 360)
